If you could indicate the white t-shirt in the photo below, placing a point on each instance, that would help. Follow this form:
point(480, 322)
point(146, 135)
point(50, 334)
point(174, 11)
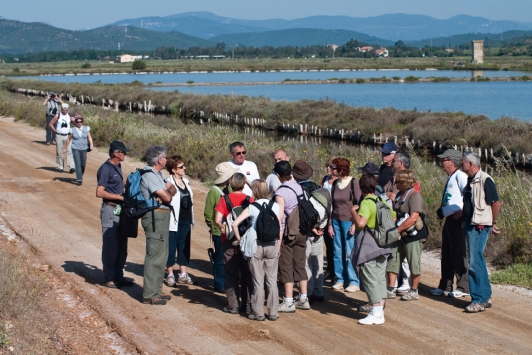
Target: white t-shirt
point(254, 211)
point(249, 169)
point(452, 200)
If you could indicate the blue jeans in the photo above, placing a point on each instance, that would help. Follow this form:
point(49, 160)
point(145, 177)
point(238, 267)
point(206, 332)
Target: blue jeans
point(479, 283)
point(219, 270)
point(177, 242)
point(343, 244)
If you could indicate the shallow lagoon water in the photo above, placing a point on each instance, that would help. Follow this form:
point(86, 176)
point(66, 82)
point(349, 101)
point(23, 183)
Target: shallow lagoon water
point(493, 99)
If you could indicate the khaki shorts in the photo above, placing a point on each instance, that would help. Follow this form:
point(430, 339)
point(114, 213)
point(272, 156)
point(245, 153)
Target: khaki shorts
point(410, 251)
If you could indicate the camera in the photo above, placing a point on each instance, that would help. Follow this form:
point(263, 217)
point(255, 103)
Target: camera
point(54, 111)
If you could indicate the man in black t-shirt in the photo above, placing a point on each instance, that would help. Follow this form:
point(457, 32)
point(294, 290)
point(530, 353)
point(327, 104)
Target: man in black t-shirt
point(385, 171)
point(480, 212)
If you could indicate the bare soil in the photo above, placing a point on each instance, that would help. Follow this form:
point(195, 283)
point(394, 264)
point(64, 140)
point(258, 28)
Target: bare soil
point(54, 222)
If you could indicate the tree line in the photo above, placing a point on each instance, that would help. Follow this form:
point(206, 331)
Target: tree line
point(350, 49)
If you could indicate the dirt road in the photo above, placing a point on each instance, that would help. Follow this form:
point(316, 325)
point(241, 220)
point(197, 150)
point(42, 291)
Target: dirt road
point(60, 222)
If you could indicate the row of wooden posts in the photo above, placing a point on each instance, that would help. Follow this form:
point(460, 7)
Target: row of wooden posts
point(300, 129)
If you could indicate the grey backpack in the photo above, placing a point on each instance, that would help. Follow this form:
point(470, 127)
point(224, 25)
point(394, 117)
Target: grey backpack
point(385, 232)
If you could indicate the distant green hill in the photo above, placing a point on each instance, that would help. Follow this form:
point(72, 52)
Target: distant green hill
point(298, 37)
point(495, 40)
point(23, 38)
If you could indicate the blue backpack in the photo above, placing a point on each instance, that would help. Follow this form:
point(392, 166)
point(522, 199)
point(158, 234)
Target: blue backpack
point(135, 204)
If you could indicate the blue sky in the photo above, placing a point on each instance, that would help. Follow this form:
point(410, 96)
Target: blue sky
point(76, 14)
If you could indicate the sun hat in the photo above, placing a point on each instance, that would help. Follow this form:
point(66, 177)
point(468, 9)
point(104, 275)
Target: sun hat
point(224, 172)
point(301, 170)
point(64, 106)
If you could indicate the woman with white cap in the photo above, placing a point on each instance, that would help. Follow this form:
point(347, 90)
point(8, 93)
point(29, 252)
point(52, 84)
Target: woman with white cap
point(81, 139)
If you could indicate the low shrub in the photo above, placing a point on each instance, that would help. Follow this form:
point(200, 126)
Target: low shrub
point(85, 66)
point(411, 79)
point(360, 81)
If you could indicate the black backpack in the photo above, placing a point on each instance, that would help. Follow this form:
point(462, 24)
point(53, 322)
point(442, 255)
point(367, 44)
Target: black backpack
point(308, 216)
point(268, 227)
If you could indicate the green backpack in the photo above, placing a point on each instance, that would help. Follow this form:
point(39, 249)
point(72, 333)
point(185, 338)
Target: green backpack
point(385, 232)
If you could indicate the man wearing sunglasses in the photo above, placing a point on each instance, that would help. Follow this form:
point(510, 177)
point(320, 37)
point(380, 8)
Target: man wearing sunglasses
point(246, 167)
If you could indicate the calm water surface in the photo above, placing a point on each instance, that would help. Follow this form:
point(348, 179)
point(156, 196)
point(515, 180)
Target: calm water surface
point(493, 99)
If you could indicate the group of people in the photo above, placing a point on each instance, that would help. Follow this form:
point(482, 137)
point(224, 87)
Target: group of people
point(60, 133)
point(249, 272)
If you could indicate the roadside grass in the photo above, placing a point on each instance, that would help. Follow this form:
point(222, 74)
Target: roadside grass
point(24, 322)
point(517, 275)
point(204, 146)
point(446, 128)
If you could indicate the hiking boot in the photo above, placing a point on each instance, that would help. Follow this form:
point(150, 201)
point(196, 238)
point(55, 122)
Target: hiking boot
point(47, 143)
point(372, 319)
point(164, 296)
point(391, 294)
point(230, 310)
point(254, 317)
point(410, 296)
point(475, 308)
point(185, 279)
point(285, 307)
point(111, 284)
point(156, 301)
point(72, 170)
point(302, 303)
point(488, 304)
point(352, 288)
point(170, 281)
point(365, 308)
point(439, 292)
point(458, 294)
point(338, 286)
point(273, 318)
point(79, 182)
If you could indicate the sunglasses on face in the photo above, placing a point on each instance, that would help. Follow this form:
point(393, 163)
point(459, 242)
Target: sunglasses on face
point(79, 121)
point(240, 153)
point(180, 167)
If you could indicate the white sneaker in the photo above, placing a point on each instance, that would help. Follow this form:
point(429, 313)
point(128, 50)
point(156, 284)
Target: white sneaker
point(170, 281)
point(352, 288)
point(458, 294)
point(372, 319)
point(338, 286)
point(404, 288)
point(285, 307)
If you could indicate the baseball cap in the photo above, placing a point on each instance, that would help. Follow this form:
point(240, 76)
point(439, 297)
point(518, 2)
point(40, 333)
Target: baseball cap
point(370, 168)
point(117, 145)
point(52, 93)
point(389, 148)
point(64, 106)
point(451, 153)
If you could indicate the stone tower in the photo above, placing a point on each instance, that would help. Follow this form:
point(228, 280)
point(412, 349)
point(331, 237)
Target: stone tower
point(478, 51)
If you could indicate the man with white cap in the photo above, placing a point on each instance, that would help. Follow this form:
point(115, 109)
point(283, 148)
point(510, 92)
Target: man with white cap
point(454, 260)
point(220, 188)
point(60, 124)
